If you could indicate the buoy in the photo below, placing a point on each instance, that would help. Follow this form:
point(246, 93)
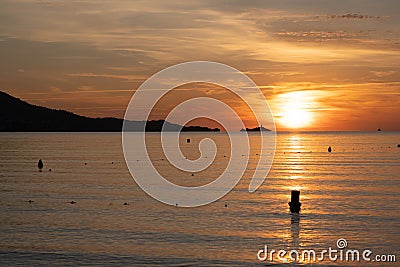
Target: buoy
point(112, 162)
point(188, 140)
point(329, 149)
point(85, 163)
point(40, 164)
point(49, 170)
point(379, 129)
point(192, 174)
point(226, 205)
point(294, 203)
point(398, 145)
point(72, 202)
point(30, 201)
point(125, 204)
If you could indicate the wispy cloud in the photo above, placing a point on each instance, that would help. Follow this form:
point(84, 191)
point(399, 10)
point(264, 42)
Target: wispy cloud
point(350, 16)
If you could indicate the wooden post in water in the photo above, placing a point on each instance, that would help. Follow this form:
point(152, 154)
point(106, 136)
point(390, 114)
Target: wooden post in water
point(294, 203)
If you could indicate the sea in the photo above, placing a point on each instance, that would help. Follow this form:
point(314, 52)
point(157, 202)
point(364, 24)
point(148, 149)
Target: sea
point(85, 209)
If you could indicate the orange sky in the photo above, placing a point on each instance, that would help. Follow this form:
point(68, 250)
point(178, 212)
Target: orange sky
point(322, 65)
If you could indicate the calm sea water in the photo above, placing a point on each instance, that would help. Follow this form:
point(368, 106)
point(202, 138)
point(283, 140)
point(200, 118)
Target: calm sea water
point(351, 193)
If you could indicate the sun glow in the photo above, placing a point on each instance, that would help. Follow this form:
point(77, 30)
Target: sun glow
point(295, 109)
point(296, 117)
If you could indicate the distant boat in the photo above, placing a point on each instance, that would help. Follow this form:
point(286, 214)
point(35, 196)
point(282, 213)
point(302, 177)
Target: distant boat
point(257, 129)
point(40, 164)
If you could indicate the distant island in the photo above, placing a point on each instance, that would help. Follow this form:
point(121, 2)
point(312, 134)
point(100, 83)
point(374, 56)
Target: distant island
point(19, 116)
point(257, 129)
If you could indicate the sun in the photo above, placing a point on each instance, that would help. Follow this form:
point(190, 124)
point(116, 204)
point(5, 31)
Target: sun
point(296, 117)
point(295, 109)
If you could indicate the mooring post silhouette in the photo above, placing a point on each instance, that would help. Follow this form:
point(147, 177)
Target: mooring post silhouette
point(294, 203)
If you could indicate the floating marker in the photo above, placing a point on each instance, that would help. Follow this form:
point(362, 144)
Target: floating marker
point(72, 202)
point(40, 164)
point(329, 149)
point(294, 203)
point(188, 140)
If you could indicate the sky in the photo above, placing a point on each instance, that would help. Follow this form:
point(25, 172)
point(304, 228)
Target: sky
point(322, 65)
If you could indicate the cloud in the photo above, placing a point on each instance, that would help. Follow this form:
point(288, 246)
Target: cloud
point(353, 16)
point(381, 74)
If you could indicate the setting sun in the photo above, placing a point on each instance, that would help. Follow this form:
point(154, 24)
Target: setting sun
point(295, 109)
point(296, 118)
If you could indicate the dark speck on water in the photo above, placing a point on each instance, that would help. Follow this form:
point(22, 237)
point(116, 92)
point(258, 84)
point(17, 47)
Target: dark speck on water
point(40, 164)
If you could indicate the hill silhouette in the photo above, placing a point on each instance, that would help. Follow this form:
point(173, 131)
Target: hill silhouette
point(19, 116)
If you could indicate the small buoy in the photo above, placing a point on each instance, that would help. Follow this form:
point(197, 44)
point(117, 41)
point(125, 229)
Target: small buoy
point(329, 149)
point(226, 205)
point(176, 204)
point(40, 164)
point(188, 140)
point(398, 145)
point(224, 156)
point(192, 174)
point(162, 159)
point(49, 170)
point(379, 129)
point(30, 201)
point(85, 163)
point(72, 202)
point(112, 162)
point(125, 204)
